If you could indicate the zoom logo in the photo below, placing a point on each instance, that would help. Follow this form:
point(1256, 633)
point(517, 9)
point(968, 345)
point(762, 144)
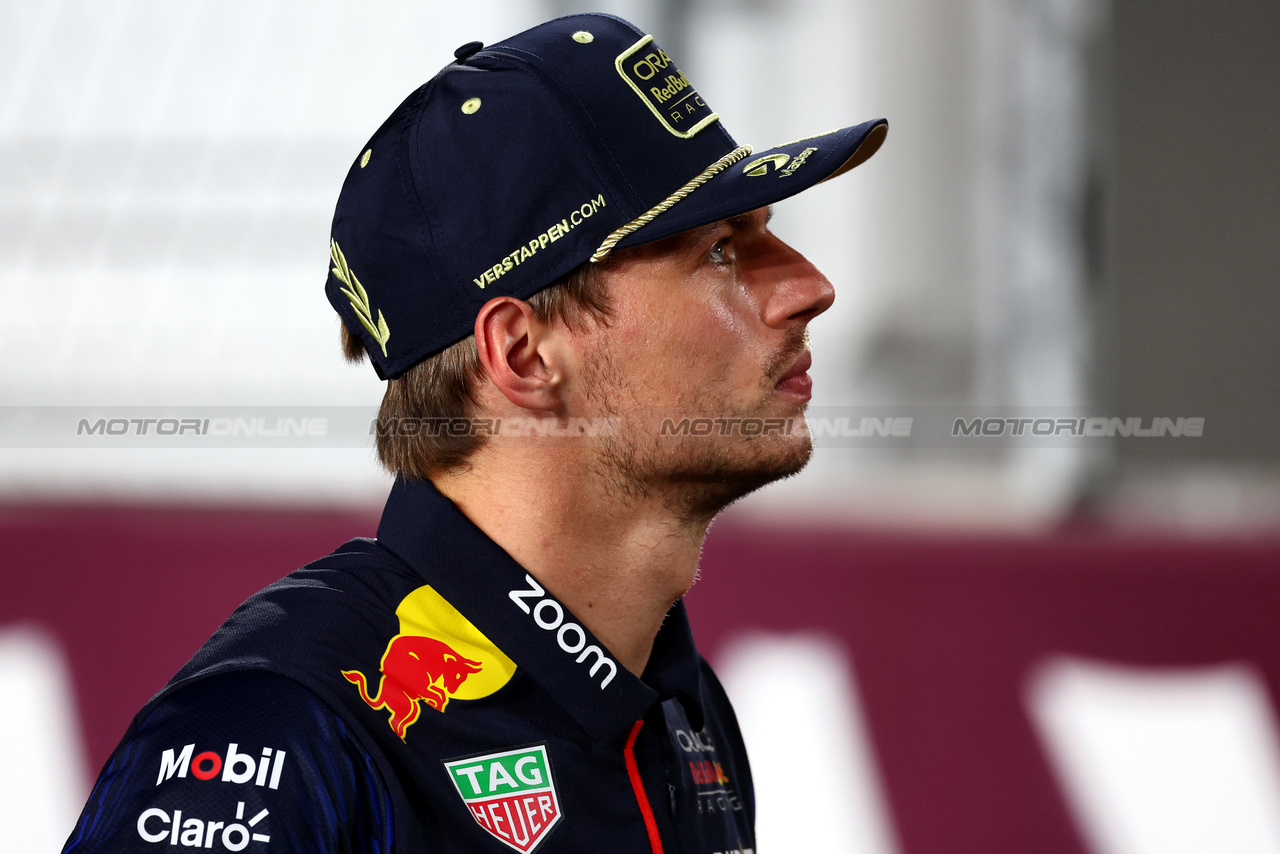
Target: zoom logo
point(571, 637)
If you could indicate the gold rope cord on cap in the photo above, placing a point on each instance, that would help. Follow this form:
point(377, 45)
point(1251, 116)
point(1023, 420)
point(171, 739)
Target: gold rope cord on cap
point(666, 204)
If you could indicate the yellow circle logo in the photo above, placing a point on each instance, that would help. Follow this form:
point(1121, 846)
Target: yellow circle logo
point(438, 656)
point(424, 612)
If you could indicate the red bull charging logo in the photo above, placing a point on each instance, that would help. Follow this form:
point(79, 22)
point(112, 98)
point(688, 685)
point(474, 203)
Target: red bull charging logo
point(415, 669)
point(437, 656)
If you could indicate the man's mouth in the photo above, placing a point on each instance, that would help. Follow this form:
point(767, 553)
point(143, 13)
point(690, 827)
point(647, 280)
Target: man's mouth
point(796, 381)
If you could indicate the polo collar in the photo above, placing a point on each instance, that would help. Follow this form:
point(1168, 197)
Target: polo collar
point(429, 533)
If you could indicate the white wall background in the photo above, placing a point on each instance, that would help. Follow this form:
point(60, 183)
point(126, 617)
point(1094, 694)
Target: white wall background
point(168, 171)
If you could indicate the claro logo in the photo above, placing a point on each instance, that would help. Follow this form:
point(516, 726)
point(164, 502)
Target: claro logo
point(158, 826)
point(549, 616)
point(234, 766)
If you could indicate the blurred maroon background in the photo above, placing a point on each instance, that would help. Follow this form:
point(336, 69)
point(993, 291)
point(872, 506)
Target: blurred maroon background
point(943, 631)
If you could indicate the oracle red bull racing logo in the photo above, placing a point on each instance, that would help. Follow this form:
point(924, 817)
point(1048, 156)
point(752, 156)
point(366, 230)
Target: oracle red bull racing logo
point(437, 656)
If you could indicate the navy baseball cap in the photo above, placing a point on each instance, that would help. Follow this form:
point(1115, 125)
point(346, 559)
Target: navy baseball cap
point(524, 159)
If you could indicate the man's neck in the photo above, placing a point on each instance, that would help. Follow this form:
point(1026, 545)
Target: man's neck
point(618, 562)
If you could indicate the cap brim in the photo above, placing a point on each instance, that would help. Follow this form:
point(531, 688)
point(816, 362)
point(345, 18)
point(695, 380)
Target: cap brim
point(765, 177)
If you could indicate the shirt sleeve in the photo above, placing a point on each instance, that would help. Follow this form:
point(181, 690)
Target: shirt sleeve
point(248, 761)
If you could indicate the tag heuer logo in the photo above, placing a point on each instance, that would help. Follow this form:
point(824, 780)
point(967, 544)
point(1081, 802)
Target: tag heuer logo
point(510, 794)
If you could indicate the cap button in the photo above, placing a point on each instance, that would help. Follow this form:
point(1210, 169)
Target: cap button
point(467, 49)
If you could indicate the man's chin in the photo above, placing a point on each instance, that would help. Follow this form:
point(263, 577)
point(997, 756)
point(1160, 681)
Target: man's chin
point(697, 465)
point(705, 486)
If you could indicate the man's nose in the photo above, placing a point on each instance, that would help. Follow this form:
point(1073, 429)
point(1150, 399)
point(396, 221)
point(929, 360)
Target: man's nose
point(799, 290)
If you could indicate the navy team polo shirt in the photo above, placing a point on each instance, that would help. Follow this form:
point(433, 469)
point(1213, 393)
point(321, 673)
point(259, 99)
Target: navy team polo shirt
point(422, 692)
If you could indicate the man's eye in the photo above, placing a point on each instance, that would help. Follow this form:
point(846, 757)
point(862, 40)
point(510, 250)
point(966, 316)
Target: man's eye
point(719, 253)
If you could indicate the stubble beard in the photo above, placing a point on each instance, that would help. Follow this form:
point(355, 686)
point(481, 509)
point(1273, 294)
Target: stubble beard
point(695, 477)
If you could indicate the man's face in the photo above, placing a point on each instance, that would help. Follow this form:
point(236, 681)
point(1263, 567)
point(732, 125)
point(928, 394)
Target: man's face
point(709, 324)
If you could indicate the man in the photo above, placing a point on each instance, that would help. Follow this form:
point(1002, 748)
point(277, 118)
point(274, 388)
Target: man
point(561, 263)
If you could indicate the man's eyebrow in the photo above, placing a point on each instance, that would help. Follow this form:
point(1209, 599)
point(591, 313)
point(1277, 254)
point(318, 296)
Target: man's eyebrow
point(742, 222)
point(746, 220)
point(697, 235)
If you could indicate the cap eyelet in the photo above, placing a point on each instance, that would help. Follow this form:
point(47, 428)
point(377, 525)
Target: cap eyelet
point(470, 105)
point(583, 37)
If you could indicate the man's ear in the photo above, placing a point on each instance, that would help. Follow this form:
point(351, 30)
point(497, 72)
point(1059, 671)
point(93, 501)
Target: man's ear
point(515, 350)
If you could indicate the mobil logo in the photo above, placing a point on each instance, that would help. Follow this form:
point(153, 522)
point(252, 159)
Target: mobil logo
point(230, 766)
point(437, 656)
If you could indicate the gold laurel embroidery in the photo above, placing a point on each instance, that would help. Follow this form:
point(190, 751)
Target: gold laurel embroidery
point(359, 298)
point(666, 204)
